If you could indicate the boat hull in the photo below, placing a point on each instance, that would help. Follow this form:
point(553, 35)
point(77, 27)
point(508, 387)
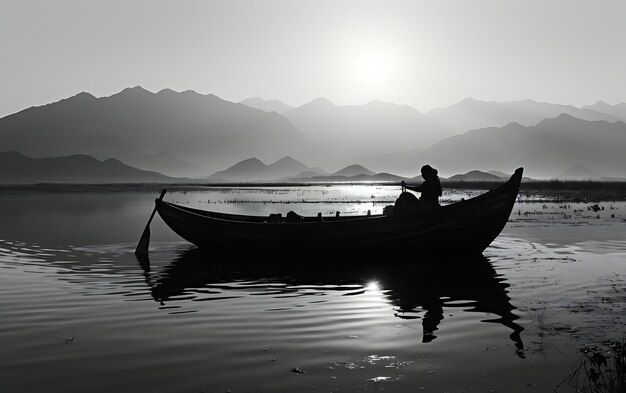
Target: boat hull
point(466, 227)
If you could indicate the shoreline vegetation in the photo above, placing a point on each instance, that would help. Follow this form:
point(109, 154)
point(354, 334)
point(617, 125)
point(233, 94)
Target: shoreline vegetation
point(600, 369)
point(548, 190)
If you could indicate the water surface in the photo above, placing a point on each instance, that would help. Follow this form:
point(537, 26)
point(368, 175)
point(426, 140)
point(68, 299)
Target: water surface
point(80, 313)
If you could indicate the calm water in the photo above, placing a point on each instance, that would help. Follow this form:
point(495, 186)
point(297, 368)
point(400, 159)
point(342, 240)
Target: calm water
point(81, 314)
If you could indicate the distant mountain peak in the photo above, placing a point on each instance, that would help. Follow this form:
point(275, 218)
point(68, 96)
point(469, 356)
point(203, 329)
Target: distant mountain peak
point(252, 100)
point(84, 94)
point(321, 101)
point(137, 89)
point(195, 93)
point(170, 92)
point(565, 116)
point(252, 169)
point(289, 164)
point(473, 102)
point(286, 159)
point(562, 118)
point(379, 102)
point(475, 175)
point(80, 97)
point(249, 161)
point(353, 170)
point(11, 153)
point(167, 90)
point(468, 100)
point(578, 172)
point(526, 101)
point(133, 91)
point(259, 100)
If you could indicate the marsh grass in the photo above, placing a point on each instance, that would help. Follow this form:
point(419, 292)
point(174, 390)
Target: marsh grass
point(599, 370)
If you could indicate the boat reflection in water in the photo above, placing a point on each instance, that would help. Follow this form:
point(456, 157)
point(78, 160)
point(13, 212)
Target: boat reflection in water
point(416, 291)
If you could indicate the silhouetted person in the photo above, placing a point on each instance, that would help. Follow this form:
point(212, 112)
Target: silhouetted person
point(430, 189)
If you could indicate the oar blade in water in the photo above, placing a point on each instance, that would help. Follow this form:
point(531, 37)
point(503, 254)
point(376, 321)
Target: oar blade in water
point(144, 241)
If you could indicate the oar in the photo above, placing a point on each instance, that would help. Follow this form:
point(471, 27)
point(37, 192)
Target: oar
point(144, 242)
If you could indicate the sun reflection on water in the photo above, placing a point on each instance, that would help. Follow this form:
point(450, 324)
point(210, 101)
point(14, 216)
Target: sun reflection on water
point(372, 286)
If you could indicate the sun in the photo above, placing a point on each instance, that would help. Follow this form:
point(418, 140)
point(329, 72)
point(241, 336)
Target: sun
point(372, 69)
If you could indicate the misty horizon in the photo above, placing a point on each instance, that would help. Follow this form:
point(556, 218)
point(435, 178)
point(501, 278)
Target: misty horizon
point(188, 134)
point(252, 98)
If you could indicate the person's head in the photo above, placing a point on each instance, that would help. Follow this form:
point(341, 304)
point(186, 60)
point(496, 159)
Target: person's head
point(429, 173)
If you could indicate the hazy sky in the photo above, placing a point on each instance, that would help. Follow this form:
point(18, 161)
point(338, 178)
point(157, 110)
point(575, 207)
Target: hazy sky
point(425, 54)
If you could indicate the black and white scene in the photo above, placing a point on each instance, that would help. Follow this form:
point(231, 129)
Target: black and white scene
point(258, 196)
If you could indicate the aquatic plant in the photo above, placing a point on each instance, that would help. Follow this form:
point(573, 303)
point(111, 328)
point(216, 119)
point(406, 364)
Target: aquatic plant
point(65, 339)
point(599, 370)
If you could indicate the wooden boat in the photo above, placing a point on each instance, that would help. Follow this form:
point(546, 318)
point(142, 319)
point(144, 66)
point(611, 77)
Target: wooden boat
point(466, 227)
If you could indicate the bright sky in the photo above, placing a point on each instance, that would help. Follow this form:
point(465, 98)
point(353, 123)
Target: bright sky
point(426, 54)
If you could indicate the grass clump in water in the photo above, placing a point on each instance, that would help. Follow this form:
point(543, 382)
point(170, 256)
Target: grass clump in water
point(599, 370)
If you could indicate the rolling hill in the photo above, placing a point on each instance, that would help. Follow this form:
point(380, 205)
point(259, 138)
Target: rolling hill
point(16, 168)
point(253, 169)
point(353, 170)
point(475, 176)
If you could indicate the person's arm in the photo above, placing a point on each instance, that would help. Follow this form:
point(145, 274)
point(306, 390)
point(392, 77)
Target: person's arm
point(412, 188)
point(415, 188)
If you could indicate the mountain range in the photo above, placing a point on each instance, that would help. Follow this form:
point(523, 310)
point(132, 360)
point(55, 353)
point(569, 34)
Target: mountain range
point(550, 147)
point(15, 168)
point(288, 170)
point(618, 110)
point(187, 134)
point(253, 169)
point(476, 176)
point(285, 169)
point(354, 132)
point(470, 134)
point(203, 130)
point(472, 114)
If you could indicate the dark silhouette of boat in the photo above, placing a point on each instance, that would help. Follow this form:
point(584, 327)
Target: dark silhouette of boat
point(415, 291)
point(466, 227)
